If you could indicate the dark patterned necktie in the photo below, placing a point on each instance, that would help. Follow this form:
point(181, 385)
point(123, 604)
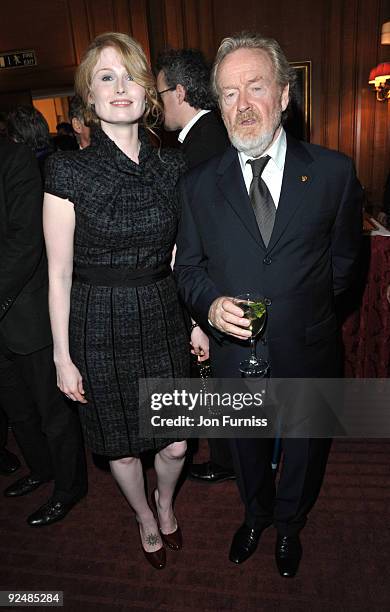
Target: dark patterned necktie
point(261, 199)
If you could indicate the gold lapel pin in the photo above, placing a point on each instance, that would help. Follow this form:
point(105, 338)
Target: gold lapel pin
point(304, 178)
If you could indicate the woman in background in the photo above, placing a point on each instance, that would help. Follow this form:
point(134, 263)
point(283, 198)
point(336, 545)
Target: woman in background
point(110, 219)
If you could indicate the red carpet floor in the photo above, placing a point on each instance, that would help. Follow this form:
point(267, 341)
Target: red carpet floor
point(94, 555)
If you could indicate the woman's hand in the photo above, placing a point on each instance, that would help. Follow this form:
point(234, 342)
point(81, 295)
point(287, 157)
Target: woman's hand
point(199, 344)
point(70, 382)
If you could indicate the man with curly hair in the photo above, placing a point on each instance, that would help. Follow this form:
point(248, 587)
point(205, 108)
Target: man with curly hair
point(183, 84)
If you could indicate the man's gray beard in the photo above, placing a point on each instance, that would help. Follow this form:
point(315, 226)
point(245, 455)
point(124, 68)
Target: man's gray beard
point(253, 147)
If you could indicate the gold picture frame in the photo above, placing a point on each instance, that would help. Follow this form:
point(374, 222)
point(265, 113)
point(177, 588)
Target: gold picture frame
point(298, 122)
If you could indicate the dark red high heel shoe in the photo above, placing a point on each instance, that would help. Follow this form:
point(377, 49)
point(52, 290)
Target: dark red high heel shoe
point(173, 540)
point(156, 558)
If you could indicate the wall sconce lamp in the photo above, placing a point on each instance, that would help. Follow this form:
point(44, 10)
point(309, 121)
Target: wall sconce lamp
point(379, 79)
point(385, 36)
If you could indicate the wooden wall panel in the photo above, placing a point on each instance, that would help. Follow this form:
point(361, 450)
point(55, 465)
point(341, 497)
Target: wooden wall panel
point(366, 103)
point(60, 31)
point(340, 37)
point(41, 25)
point(181, 23)
point(330, 120)
point(174, 26)
point(100, 16)
point(82, 35)
point(191, 24)
point(121, 16)
point(156, 27)
point(139, 23)
point(377, 146)
point(348, 76)
point(46, 28)
point(207, 28)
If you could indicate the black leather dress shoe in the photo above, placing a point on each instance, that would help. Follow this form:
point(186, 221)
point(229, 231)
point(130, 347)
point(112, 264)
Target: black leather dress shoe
point(288, 553)
point(23, 486)
point(51, 512)
point(244, 543)
point(9, 462)
point(210, 472)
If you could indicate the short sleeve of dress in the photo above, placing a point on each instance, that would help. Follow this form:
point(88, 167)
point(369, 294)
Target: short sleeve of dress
point(59, 176)
point(179, 165)
point(174, 166)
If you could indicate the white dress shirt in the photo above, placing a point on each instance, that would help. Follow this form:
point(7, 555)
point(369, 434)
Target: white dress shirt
point(273, 172)
point(189, 125)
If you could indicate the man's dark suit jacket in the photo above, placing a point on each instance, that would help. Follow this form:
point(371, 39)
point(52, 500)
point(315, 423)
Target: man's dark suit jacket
point(24, 316)
point(309, 260)
point(206, 138)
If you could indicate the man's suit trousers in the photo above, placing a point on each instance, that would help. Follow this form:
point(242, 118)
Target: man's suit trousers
point(45, 426)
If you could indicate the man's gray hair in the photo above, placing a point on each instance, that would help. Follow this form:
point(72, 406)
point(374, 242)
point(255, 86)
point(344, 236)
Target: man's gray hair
point(285, 74)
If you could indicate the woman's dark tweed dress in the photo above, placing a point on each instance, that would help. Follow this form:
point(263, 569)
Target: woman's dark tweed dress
point(126, 216)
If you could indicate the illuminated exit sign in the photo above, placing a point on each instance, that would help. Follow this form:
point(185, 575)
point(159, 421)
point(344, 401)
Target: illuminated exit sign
point(18, 59)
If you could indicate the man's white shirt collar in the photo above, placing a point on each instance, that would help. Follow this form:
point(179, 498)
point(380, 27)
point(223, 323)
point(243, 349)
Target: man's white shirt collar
point(189, 125)
point(277, 152)
point(273, 172)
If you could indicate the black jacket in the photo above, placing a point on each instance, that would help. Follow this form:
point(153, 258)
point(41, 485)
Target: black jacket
point(24, 316)
point(310, 257)
point(206, 138)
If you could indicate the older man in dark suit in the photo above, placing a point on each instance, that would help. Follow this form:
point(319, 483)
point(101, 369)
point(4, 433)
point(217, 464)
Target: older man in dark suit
point(282, 218)
point(45, 427)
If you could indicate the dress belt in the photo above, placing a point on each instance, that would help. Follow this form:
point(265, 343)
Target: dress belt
point(105, 276)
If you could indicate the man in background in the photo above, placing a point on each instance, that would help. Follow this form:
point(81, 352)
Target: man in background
point(65, 139)
point(9, 462)
point(26, 125)
point(45, 426)
point(183, 82)
point(78, 118)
